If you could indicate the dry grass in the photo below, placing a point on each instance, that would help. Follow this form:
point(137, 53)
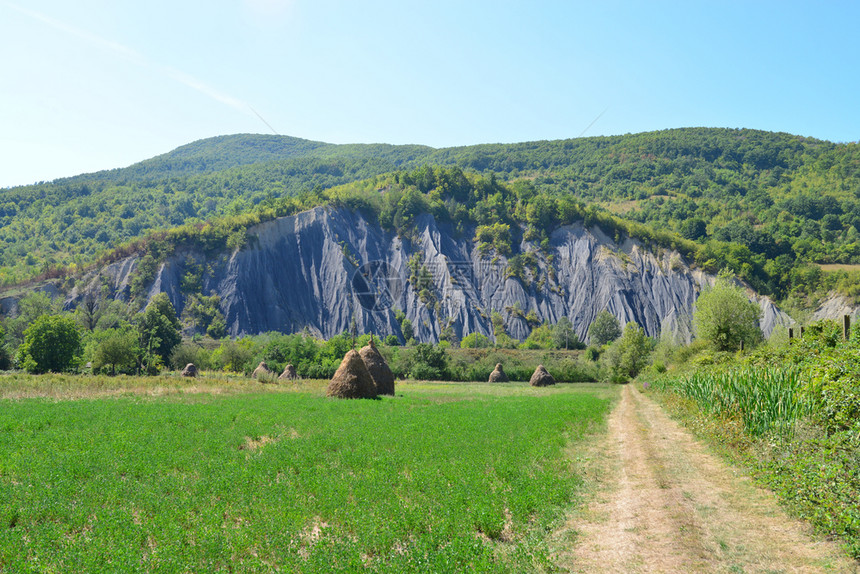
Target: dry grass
point(830, 267)
point(75, 387)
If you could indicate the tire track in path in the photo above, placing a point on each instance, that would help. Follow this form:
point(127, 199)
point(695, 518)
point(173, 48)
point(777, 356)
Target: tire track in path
point(664, 504)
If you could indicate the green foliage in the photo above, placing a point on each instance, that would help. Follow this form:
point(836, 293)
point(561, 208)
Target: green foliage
point(118, 351)
point(51, 343)
point(604, 329)
point(563, 335)
point(496, 236)
point(541, 337)
point(30, 307)
point(725, 317)
point(205, 315)
point(159, 328)
point(628, 355)
point(475, 341)
point(429, 362)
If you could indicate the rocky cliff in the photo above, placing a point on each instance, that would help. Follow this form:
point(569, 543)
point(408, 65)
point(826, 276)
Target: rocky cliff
point(322, 269)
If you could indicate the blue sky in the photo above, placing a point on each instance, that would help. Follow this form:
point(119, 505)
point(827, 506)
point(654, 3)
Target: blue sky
point(98, 84)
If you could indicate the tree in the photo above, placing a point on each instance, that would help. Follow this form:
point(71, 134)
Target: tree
point(628, 355)
point(693, 228)
point(51, 343)
point(724, 316)
point(604, 329)
point(118, 350)
point(475, 341)
point(159, 328)
point(30, 308)
point(564, 336)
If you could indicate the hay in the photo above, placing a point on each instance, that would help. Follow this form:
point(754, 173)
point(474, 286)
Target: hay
point(190, 370)
point(262, 372)
point(352, 380)
point(382, 376)
point(498, 375)
point(289, 373)
point(541, 378)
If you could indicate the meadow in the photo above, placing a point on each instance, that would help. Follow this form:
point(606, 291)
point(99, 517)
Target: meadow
point(163, 475)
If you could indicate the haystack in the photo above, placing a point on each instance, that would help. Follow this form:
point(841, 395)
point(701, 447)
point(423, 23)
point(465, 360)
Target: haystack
point(541, 378)
point(382, 376)
point(262, 371)
point(289, 373)
point(190, 370)
point(498, 375)
point(351, 380)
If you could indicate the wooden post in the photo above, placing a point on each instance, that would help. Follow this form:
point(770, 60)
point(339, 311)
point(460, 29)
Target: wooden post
point(742, 345)
point(846, 327)
point(801, 331)
point(790, 335)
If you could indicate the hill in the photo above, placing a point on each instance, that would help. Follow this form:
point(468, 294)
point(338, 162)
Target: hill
point(770, 206)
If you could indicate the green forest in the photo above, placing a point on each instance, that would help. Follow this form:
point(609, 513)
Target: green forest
point(771, 207)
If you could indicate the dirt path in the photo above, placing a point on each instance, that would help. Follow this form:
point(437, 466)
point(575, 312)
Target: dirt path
point(665, 505)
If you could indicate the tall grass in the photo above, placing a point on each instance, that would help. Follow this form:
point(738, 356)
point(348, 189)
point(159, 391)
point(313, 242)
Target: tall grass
point(765, 399)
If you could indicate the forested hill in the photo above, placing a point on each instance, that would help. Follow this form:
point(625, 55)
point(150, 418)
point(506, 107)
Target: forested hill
point(771, 204)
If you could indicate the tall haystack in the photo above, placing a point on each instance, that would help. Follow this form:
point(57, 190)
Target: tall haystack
point(262, 372)
point(382, 376)
point(541, 378)
point(498, 375)
point(351, 380)
point(289, 373)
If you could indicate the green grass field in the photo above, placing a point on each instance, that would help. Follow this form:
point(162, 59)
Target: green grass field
point(440, 478)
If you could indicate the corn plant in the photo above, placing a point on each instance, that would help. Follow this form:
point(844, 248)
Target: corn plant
point(765, 399)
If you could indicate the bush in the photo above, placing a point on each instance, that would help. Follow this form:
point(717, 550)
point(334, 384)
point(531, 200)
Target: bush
point(189, 352)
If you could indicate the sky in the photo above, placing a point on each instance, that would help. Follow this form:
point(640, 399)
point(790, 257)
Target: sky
point(99, 84)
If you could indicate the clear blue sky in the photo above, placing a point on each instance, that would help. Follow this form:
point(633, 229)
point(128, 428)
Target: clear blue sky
point(97, 84)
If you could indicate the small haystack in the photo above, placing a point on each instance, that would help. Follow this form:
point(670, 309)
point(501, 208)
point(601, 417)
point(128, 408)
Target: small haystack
point(352, 380)
point(262, 371)
point(382, 376)
point(541, 378)
point(289, 373)
point(190, 370)
point(498, 375)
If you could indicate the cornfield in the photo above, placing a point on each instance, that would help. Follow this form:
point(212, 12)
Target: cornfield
point(765, 399)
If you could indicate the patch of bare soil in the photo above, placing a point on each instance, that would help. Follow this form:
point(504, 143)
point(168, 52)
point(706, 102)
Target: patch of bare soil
point(664, 504)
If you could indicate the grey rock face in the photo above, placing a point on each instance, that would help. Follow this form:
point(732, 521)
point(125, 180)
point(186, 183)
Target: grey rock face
point(300, 272)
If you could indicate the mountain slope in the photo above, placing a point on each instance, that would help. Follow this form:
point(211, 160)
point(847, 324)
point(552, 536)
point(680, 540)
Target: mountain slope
point(320, 269)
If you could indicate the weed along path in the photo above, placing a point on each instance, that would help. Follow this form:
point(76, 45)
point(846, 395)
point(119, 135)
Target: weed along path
point(664, 504)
